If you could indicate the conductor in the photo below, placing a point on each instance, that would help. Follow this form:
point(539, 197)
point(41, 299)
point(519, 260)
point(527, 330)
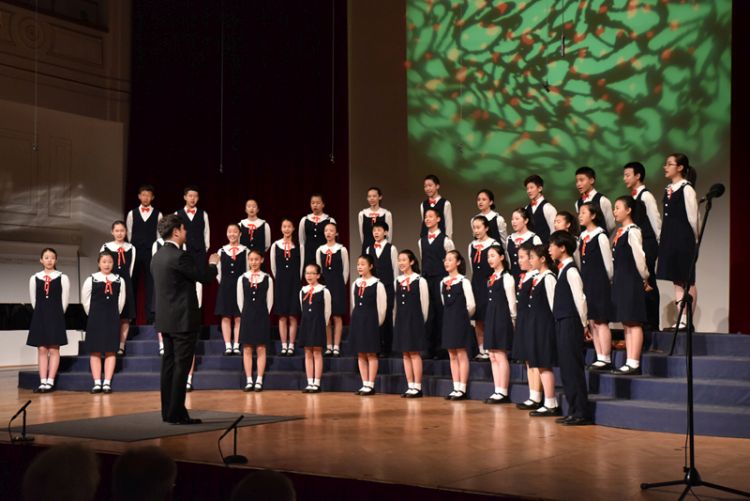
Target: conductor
point(177, 314)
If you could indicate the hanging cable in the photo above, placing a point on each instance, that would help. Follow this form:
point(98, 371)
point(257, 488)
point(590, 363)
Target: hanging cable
point(221, 92)
point(461, 79)
point(35, 139)
point(331, 155)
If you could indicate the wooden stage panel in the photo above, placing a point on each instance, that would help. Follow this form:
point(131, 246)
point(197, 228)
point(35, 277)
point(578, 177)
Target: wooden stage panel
point(427, 442)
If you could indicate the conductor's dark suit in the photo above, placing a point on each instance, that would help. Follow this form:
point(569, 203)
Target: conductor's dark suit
point(178, 319)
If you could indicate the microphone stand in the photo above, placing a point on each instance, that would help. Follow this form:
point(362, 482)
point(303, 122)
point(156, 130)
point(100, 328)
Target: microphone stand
point(692, 477)
point(23, 437)
point(234, 458)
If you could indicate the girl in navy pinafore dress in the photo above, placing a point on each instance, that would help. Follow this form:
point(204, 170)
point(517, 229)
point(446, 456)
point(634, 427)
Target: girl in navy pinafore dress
point(368, 308)
point(103, 296)
point(286, 266)
point(124, 261)
point(254, 300)
point(480, 272)
point(458, 308)
point(596, 273)
point(679, 230)
point(498, 323)
point(333, 259)
point(412, 305)
point(519, 221)
point(630, 283)
point(255, 233)
point(49, 292)
point(232, 264)
point(315, 301)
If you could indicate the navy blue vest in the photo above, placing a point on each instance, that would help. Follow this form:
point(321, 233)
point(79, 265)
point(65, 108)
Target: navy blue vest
point(143, 234)
point(433, 255)
point(383, 265)
point(541, 228)
point(195, 241)
point(596, 201)
point(564, 306)
point(640, 217)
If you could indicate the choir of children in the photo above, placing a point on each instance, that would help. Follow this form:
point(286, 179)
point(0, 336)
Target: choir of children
point(533, 296)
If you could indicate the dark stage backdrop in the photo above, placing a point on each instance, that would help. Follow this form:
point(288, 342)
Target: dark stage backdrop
point(284, 86)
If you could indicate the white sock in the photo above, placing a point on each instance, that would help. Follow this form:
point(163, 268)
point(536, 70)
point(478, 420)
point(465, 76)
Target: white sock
point(535, 396)
point(228, 346)
point(550, 403)
point(316, 382)
point(122, 346)
point(462, 387)
point(633, 363)
point(258, 380)
point(607, 359)
point(161, 345)
point(336, 347)
point(51, 381)
point(503, 391)
point(310, 381)
point(284, 346)
point(291, 346)
point(190, 379)
point(499, 390)
point(97, 382)
point(329, 347)
point(481, 348)
point(370, 384)
point(236, 346)
point(249, 380)
point(107, 381)
point(417, 386)
point(455, 385)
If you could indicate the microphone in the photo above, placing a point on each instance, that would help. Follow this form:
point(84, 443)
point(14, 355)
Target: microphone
point(716, 191)
point(20, 410)
point(231, 426)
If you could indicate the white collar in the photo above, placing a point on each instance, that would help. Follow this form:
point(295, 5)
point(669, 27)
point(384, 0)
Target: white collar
point(52, 275)
point(565, 262)
point(101, 277)
point(679, 184)
point(280, 244)
point(486, 243)
point(436, 233)
point(639, 189)
point(543, 274)
point(588, 196)
point(322, 217)
point(412, 277)
point(523, 236)
point(150, 207)
point(436, 199)
point(381, 211)
point(498, 274)
point(626, 228)
point(114, 246)
point(334, 248)
point(539, 200)
point(529, 275)
point(368, 282)
point(591, 234)
point(490, 215)
point(260, 274)
point(382, 243)
point(456, 279)
point(257, 222)
point(228, 248)
point(316, 289)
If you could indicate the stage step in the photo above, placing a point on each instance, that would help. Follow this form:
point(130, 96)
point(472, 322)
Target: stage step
point(654, 401)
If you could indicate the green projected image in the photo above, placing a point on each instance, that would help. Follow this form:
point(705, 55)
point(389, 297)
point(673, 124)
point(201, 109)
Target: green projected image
point(497, 90)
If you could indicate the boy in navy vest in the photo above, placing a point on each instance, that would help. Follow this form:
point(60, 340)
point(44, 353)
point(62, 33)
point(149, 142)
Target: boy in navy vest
point(385, 256)
point(540, 212)
point(569, 310)
point(141, 225)
point(439, 204)
point(198, 238)
point(646, 216)
point(585, 181)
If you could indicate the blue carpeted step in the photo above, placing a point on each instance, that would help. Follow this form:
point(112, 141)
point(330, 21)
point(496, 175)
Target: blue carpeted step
point(725, 421)
point(735, 345)
point(671, 390)
point(704, 367)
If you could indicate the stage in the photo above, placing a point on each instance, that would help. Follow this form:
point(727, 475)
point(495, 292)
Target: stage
point(454, 446)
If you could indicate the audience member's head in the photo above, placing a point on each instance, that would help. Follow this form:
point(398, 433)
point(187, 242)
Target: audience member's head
point(143, 474)
point(68, 472)
point(264, 485)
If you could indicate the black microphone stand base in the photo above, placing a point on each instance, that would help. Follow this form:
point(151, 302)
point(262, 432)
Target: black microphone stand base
point(693, 479)
point(22, 439)
point(235, 459)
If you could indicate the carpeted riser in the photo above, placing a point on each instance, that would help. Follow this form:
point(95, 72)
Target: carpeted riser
point(708, 392)
point(654, 401)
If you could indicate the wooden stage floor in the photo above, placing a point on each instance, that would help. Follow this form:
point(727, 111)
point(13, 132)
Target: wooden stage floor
point(466, 446)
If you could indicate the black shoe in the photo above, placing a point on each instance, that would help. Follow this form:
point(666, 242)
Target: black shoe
point(460, 396)
point(418, 394)
point(626, 370)
point(336, 353)
point(50, 388)
point(607, 367)
point(578, 421)
point(529, 407)
point(248, 387)
point(187, 420)
point(502, 400)
point(315, 389)
point(228, 352)
point(258, 387)
point(563, 420)
point(449, 396)
point(96, 389)
point(370, 392)
point(106, 389)
point(121, 352)
point(40, 389)
point(328, 353)
point(188, 387)
point(358, 392)
point(546, 412)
